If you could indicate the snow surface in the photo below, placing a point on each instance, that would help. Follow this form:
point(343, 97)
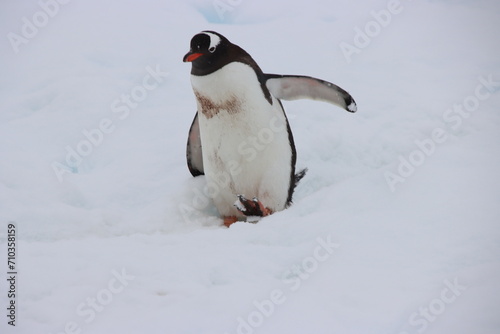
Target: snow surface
point(131, 209)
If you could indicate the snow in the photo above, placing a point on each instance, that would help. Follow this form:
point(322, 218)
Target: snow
point(393, 230)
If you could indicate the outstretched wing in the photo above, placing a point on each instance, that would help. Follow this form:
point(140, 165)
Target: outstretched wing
point(294, 87)
point(193, 151)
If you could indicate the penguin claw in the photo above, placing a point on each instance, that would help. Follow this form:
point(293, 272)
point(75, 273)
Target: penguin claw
point(251, 208)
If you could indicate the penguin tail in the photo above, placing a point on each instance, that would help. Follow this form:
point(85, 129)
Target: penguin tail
point(299, 176)
point(296, 179)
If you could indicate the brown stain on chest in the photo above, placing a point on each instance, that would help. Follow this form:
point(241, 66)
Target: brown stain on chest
point(210, 108)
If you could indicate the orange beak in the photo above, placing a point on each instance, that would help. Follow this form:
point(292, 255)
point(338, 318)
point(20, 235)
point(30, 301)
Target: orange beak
point(189, 57)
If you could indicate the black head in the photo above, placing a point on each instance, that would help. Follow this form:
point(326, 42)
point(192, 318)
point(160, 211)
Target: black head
point(210, 51)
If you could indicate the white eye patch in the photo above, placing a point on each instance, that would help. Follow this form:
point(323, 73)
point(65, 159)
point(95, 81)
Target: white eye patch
point(214, 41)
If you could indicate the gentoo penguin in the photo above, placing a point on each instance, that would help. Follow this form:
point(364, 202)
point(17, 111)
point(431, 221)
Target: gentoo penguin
point(240, 138)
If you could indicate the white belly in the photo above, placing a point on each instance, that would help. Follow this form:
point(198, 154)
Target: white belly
point(246, 148)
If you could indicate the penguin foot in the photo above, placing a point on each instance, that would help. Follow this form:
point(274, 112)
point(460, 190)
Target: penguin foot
point(228, 221)
point(253, 209)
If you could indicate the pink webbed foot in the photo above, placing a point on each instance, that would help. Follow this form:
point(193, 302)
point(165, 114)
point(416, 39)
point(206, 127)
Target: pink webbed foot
point(253, 209)
point(229, 220)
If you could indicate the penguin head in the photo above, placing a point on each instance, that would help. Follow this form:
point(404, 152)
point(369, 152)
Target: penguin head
point(209, 52)
point(206, 48)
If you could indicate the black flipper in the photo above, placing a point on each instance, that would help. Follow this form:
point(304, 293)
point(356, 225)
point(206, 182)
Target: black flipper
point(295, 87)
point(193, 150)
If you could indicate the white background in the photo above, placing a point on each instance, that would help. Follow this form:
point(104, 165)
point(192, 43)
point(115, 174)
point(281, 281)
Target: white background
point(124, 206)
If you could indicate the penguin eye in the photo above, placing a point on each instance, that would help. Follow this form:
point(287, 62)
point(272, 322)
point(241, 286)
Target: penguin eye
point(212, 49)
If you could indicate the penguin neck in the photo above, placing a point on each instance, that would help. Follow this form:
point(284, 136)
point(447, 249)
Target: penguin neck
point(233, 54)
point(234, 79)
